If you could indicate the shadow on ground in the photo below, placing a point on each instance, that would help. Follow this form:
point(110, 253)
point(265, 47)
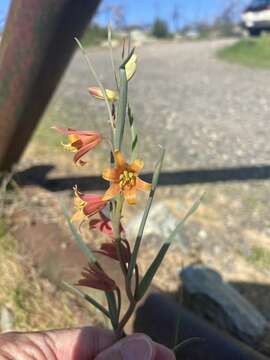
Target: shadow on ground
point(38, 175)
point(158, 317)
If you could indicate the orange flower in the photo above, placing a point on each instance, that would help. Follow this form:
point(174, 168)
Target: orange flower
point(79, 142)
point(95, 278)
point(124, 179)
point(86, 205)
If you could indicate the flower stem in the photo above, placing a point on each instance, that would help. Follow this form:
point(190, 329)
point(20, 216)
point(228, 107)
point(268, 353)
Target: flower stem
point(125, 319)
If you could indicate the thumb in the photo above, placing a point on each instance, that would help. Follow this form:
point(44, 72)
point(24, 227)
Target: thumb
point(133, 347)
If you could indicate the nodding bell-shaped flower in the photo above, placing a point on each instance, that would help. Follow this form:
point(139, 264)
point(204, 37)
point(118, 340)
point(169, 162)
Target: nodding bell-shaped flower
point(86, 205)
point(96, 278)
point(112, 95)
point(79, 142)
point(97, 93)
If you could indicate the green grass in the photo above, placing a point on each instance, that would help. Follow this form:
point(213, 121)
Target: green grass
point(94, 35)
point(249, 52)
point(260, 257)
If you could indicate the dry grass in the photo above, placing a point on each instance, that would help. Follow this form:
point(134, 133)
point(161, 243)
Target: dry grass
point(32, 301)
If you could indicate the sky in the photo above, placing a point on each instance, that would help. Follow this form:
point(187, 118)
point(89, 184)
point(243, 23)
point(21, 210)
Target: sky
point(142, 12)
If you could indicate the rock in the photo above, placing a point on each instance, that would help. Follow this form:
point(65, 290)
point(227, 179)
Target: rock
point(205, 292)
point(161, 222)
point(6, 319)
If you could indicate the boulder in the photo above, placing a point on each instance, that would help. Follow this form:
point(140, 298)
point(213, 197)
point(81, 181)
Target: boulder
point(206, 294)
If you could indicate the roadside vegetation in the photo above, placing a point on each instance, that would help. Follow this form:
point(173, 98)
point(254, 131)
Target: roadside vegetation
point(260, 257)
point(94, 35)
point(252, 52)
point(25, 296)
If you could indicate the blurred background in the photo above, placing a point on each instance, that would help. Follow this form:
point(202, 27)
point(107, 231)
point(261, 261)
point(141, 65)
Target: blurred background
point(202, 91)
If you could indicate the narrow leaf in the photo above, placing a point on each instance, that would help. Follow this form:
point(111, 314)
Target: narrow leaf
point(122, 66)
point(82, 245)
point(86, 297)
point(112, 309)
point(191, 211)
point(151, 272)
point(134, 135)
point(91, 67)
point(138, 240)
point(121, 109)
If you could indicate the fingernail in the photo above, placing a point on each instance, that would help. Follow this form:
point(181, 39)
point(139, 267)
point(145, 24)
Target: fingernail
point(136, 347)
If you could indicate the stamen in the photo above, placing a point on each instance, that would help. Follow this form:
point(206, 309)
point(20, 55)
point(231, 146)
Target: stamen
point(127, 179)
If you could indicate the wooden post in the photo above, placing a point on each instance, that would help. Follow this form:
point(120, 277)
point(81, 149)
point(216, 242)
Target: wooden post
point(36, 47)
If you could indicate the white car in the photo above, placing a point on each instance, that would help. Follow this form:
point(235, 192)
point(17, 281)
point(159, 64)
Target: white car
point(256, 17)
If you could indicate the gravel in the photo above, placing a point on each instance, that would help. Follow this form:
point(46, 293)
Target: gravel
point(206, 112)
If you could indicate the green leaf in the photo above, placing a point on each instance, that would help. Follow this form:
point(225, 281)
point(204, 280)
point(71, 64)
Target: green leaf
point(138, 240)
point(134, 135)
point(121, 109)
point(86, 297)
point(82, 245)
point(112, 309)
point(190, 212)
point(151, 272)
point(122, 66)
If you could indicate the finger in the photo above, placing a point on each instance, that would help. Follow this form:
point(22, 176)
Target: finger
point(82, 343)
point(134, 347)
point(163, 353)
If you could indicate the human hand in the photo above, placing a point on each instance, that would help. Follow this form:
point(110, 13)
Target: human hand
point(79, 344)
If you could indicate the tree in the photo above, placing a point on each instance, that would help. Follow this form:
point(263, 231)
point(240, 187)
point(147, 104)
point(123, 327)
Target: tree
point(160, 29)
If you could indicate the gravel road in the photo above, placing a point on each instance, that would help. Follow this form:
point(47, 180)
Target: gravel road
point(210, 115)
point(206, 112)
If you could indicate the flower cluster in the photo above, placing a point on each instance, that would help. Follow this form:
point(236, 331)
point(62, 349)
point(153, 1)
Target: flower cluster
point(124, 182)
point(104, 212)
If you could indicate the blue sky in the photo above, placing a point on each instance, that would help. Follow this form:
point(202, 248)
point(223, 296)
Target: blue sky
point(144, 11)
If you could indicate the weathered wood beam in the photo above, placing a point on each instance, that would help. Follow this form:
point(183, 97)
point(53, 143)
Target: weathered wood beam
point(36, 47)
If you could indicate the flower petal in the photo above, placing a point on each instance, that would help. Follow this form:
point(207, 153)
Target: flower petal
point(131, 67)
point(78, 216)
point(142, 185)
point(111, 174)
point(83, 150)
point(130, 195)
point(69, 131)
point(113, 190)
point(97, 93)
point(136, 166)
point(91, 208)
point(119, 158)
